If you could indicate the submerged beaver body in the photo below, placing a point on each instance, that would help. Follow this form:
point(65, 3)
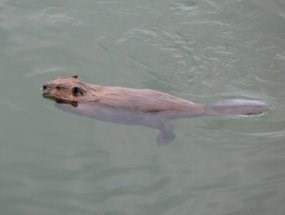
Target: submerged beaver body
point(137, 106)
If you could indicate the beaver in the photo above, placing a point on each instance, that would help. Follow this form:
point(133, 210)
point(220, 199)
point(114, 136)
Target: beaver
point(146, 107)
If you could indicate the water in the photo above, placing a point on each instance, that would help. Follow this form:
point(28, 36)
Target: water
point(53, 162)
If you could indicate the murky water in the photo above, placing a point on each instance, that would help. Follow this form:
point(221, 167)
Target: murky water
point(53, 162)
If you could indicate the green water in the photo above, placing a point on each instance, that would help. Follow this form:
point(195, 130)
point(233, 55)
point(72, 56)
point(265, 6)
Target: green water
point(53, 162)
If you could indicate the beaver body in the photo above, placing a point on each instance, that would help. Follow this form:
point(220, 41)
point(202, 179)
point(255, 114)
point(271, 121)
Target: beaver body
point(138, 106)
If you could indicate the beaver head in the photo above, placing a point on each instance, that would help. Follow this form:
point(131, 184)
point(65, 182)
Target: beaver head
point(65, 90)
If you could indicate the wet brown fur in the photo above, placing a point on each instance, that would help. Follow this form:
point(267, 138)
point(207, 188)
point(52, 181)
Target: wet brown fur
point(72, 90)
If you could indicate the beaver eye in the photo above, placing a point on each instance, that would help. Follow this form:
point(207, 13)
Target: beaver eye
point(58, 87)
point(76, 91)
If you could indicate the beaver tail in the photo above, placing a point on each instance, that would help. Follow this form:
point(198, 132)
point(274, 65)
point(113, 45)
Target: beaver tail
point(237, 107)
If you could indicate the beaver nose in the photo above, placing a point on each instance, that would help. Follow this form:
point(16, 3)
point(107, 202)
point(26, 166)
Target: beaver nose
point(45, 86)
point(45, 90)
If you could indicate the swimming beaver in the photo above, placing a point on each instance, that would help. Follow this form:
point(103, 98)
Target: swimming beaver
point(138, 106)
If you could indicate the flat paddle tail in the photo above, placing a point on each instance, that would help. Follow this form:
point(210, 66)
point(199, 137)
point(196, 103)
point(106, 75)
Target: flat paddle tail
point(237, 107)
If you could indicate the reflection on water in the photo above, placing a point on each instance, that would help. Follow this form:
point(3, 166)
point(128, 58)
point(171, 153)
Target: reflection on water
point(56, 163)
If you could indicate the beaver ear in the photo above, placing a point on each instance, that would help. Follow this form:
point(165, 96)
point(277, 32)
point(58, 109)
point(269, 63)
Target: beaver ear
point(75, 76)
point(74, 104)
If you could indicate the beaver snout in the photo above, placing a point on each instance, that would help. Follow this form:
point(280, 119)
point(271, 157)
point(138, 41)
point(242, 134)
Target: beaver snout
point(44, 87)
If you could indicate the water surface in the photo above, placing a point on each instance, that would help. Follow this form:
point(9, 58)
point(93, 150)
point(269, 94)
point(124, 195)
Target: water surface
point(53, 162)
